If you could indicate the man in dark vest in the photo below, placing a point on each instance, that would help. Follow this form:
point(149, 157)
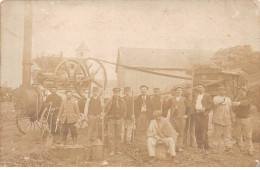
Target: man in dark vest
point(177, 116)
point(115, 111)
point(128, 121)
point(157, 100)
point(54, 100)
point(142, 109)
point(92, 112)
point(203, 104)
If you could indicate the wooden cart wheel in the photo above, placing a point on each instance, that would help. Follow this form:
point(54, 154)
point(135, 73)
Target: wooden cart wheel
point(96, 76)
point(26, 123)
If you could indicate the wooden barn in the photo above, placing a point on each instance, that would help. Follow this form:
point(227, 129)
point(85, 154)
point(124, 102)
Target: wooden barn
point(172, 62)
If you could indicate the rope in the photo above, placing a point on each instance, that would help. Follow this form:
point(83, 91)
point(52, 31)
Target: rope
point(146, 71)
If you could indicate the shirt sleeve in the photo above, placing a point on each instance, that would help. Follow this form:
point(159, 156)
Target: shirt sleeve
point(76, 106)
point(86, 107)
point(245, 102)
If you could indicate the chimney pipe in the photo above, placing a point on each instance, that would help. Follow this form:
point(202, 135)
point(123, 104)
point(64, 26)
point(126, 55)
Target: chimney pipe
point(27, 45)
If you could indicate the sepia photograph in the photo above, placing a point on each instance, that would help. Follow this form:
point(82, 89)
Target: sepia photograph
point(130, 83)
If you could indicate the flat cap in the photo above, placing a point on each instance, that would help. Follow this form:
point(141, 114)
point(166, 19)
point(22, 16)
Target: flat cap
point(178, 87)
point(116, 89)
point(127, 88)
point(202, 84)
point(144, 86)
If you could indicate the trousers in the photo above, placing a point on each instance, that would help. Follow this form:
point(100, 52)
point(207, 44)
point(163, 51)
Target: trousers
point(142, 124)
point(169, 142)
point(189, 129)
point(224, 130)
point(178, 124)
point(201, 130)
point(52, 122)
point(66, 127)
point(92, 127)
point(114, 133)
point(127, 129)
point(243, 130)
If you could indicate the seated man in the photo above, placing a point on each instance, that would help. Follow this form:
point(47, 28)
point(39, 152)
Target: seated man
point(161, 131)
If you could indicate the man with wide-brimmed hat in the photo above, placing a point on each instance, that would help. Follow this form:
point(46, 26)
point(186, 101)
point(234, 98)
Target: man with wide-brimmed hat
point(92, 112)
point(68, 116)
point(202, 106)
point(177, 115)
point(115, 111)
point(161, 131)
point(222, 119)
point(243, 125)
point(128, 120)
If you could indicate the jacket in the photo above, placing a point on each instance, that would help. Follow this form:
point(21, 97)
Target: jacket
point(138, 105)
point(69, 110)
point(206, 103)
point(178, 108)
point(129, 101)
point(122, 107)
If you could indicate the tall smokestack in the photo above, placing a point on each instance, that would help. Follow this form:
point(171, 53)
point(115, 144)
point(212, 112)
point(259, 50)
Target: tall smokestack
point(27, 45)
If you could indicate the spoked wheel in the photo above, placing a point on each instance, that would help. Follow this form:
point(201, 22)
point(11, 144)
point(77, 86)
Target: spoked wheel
point(45, 126)
point(95, 76)
point(65, 71)
point(26, 123)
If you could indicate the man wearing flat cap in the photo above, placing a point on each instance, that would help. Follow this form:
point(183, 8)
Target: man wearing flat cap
point(222, 119)
point(203, 105)
point(142, 110)
point(177, 115)
point(92, 112)
point(114, 111)
point(53, 101)
point(243, 125)
point(68, 116)
point(161, 131)
point(128, 120)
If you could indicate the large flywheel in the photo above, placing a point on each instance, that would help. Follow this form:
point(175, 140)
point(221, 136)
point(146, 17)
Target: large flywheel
point(96, 76)
point(80, 76)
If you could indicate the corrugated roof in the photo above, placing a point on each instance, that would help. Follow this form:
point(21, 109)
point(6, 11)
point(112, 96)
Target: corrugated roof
point(159, 58)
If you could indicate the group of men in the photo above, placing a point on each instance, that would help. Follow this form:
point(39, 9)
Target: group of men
point(161, 121)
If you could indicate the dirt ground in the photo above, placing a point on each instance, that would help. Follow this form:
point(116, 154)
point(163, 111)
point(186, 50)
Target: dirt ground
point(28, 150)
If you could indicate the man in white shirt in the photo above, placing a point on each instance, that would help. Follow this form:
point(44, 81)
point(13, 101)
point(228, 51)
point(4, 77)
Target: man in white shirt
point(203, 104)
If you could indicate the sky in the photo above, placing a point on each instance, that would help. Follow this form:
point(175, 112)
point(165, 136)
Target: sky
point(105, 26)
